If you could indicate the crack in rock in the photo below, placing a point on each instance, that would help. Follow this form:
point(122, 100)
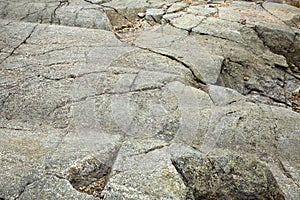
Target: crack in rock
point(20, 44)
point(197, 78)
point(206, 176)
point(24, 189)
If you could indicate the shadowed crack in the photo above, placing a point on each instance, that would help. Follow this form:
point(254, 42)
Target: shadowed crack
point(184, 178)
point(18, 46)
point(55, 50)
point(151, 149)
point(14, 129)
point(24, 188)
point(288, 71)
point(190, 30)
point(196, 78)
point(92, 2)
point(32, 13)
point(262, 93)
point(284, 88)
point(218, 37)
point(286, 47)
point(68, 102)
point(70, 76)
point(61, 4)
point(155, 148)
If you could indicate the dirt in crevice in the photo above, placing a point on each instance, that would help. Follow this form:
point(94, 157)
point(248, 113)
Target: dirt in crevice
point(125, 23)
point(89, 177)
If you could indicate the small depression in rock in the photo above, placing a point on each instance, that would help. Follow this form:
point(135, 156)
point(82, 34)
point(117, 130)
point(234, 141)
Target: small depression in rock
point(89, 177)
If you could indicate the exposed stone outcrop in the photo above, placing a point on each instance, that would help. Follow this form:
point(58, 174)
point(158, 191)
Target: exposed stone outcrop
point(106, 99)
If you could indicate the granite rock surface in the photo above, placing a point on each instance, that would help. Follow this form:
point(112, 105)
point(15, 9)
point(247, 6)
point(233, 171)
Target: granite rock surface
point(107, 99)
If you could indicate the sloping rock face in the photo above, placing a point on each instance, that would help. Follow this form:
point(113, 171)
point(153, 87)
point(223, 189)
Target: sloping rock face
point(107, 99)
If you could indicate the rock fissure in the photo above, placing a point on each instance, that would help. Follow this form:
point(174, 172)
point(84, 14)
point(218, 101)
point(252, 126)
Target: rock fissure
point(210, 172)
point(196, 78)
point(15, 129)
point(287, 50)
point(184, 177)
point(29, 14)
point(215, 36)
point(260, 36)
point(24, 188)
point(151, 149)
point(262, 93)
point(173, 113)
point(285, 89)
point(212, 99)
point(265, 9)
point(20, 44)
point(189, 30)
point(288, 71)
point(124, 17)
point(287, 173)
point(65, 103)
point(76, 15)
point(69, 76)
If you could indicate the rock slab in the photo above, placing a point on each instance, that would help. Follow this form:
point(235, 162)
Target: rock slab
point(191, 101)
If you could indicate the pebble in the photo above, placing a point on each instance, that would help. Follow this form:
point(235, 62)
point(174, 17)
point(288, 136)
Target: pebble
point(141, 15)
point(246, 78)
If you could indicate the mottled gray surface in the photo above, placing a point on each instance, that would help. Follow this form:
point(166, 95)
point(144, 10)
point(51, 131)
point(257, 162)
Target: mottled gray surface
point(97, 103)
point(67, 12)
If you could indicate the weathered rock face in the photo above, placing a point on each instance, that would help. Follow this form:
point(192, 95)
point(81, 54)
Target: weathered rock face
point(206, 175)
point(70, 13)
point(149, 100)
